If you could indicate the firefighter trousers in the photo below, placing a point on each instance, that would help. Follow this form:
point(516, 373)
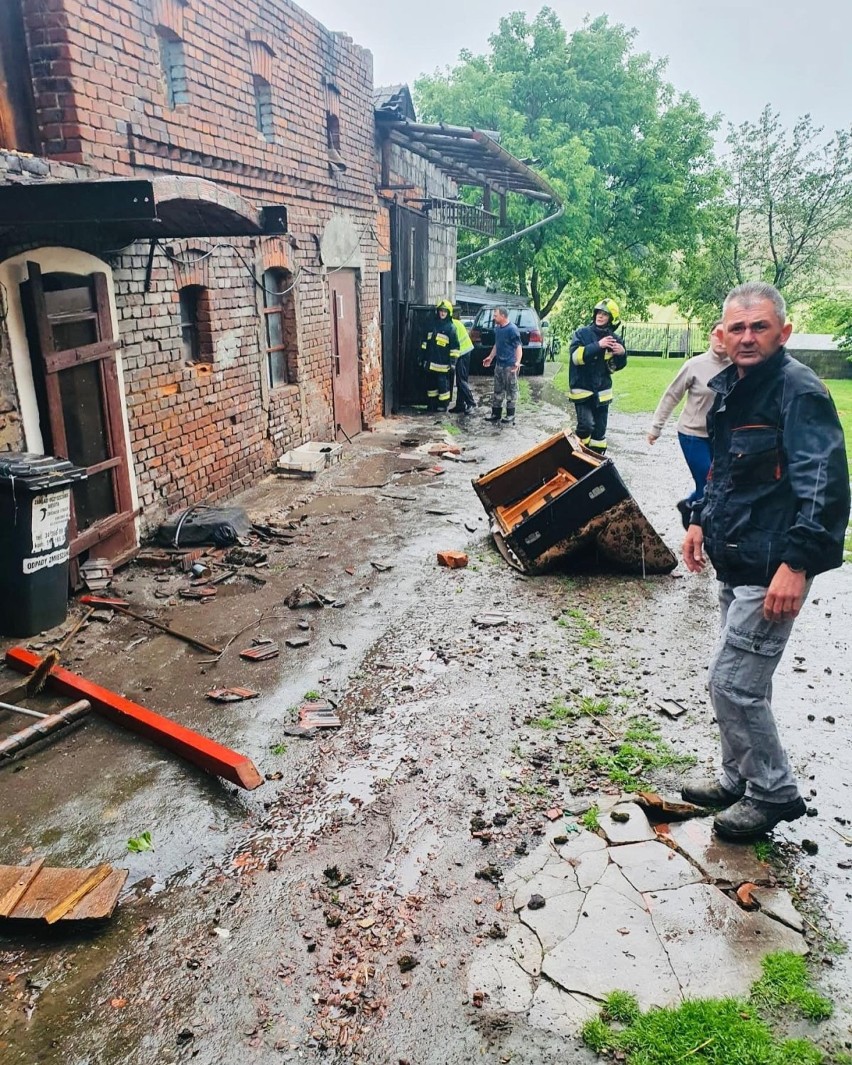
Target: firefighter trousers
point(592, 418)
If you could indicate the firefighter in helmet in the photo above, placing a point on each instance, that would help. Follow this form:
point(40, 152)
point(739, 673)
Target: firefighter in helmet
point(596, 353)
point(439, 352)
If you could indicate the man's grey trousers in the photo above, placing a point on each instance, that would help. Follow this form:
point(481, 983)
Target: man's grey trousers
point(740, 682)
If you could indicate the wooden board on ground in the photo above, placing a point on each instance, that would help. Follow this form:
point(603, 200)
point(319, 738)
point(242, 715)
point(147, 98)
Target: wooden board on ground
point(53, 884)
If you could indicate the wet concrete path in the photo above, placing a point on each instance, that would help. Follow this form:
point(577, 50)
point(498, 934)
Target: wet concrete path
point(241, 937)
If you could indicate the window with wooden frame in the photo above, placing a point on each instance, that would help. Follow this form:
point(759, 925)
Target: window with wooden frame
point(195, 326)
point(279, 328)
point(173, 65)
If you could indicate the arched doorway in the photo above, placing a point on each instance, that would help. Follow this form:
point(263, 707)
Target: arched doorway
point(73, 346)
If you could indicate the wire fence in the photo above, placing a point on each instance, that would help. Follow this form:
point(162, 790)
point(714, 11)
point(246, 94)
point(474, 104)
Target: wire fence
point(665, 341)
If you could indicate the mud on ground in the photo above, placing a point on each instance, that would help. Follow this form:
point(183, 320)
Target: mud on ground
point(333, 913)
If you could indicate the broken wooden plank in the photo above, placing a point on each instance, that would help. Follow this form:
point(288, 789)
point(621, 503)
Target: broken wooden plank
point(94, 600)
point(66, 904)
point(53, 884)
point(49, 724)
point(17, 891)
point(195, 748)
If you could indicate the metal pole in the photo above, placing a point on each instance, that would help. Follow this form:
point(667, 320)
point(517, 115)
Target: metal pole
point(513, 236)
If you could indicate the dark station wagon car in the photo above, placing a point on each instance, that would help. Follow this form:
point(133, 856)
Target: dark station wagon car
point(532, 341)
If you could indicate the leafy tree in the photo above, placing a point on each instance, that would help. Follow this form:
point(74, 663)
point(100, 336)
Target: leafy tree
point(630, 159)
point(786, 204)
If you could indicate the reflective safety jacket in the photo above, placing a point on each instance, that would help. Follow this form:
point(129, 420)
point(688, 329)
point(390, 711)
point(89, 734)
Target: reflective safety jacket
point(591, 366)
point(465, 343)
point(779, 485)
point(440, 349)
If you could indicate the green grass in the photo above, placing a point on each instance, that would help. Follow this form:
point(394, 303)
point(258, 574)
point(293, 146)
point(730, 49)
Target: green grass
point(785, 982)
point(278, 748)
point(591, 820)
point(452, 430)
point(764, 850)
point(589, 707)
point(576, 620)
point(714, 1031)
point(556, 714)
point(641, 751)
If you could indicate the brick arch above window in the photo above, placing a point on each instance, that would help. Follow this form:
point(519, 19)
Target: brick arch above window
point(191, 264)
point(276, 253)
point(169, 15)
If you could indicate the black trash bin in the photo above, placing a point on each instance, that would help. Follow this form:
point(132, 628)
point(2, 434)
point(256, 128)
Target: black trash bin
point(35, 509)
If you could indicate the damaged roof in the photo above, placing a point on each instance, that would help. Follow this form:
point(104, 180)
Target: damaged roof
point(469, 156)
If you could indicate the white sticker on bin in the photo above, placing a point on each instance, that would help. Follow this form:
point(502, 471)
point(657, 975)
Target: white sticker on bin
point(56, 558)
point(51, 514)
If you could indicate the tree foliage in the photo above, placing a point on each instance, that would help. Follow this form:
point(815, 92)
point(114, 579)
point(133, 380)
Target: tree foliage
point(630, 158)
point(787, 202)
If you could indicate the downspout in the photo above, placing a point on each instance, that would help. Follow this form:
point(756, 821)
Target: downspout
point(513, 236)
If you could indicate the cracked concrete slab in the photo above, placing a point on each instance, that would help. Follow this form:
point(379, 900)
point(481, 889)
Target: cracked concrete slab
point(636, 829)
point(525, 947)
point(496, 974)
point(551, 881)
point(581, 844)
point(614, 879)
point(555, 921)
point(527, 867)
point(614, 946)
point(721, 862)
point(652, 866)
point(632, 914)
point(555, 1010)
point(714, 947)
point(778, 904)
point(590, 867)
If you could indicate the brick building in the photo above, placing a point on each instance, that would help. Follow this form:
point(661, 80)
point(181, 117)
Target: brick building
point(211, 239)
point(200, 290)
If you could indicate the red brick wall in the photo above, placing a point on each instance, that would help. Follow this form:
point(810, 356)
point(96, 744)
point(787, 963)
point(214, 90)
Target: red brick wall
point(199, 435)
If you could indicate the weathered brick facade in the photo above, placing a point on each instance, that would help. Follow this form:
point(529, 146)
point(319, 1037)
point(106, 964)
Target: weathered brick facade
point(200, 431)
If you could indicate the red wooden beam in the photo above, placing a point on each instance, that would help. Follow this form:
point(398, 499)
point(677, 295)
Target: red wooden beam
point(196, 748)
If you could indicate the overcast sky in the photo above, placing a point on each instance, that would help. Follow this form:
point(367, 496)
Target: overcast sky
point(734, 56)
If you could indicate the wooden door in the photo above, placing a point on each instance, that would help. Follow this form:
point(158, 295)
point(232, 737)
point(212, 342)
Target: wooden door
point(346, 390)
point(73, 349)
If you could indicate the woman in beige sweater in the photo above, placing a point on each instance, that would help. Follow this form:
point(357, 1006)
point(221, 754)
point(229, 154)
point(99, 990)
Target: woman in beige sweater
point(692, 381)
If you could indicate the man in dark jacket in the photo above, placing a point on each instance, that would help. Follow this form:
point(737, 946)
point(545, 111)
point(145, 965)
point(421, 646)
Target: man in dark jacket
point(773, 516)
point(596, 352)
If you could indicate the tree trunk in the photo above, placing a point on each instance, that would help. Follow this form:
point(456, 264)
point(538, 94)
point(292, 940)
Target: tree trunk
point(551, 303)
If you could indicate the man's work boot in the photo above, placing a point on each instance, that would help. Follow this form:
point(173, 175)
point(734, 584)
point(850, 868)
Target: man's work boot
point(709, 792)
point(510, 416)
point(494, 416)
point(751, 818)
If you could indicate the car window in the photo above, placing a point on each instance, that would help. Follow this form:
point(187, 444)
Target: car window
point(527, 319)
point(484, 320)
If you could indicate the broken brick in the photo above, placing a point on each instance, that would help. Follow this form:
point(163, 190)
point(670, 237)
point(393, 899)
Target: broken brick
point(452, 559)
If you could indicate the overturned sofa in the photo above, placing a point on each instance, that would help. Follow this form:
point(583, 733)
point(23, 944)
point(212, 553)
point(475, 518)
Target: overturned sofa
point(561, 501)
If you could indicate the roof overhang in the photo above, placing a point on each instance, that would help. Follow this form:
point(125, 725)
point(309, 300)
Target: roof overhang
point(469, 156)
point(163, 207)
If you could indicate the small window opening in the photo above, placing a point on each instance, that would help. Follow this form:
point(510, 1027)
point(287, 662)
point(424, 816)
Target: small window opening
point(263, 107)
point(173, 63)
point(195, 329)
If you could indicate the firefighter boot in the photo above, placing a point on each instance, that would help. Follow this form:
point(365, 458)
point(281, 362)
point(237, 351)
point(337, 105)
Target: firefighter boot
point(494, 416)
point(510, 416)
